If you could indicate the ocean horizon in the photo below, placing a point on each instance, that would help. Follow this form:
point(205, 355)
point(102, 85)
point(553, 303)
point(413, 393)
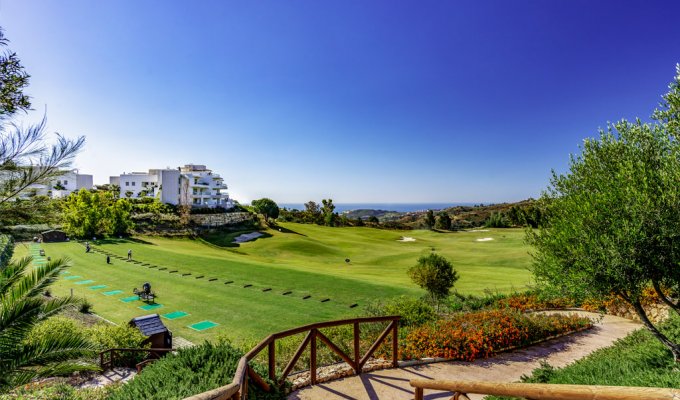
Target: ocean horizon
point(398, 207)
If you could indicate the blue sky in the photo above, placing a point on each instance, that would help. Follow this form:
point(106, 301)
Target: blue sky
point(359, 101)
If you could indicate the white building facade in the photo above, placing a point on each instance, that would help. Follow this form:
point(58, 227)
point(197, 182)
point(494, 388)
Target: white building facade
point(61, 186)
point(191, 184)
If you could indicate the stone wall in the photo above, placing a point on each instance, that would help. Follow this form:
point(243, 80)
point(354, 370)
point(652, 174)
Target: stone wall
point(655, 312)
point(217, 220)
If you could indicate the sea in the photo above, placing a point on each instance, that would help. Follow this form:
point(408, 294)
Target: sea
point(398, 207)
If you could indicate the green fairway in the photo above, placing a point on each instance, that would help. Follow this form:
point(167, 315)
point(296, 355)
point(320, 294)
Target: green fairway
point(279, 281)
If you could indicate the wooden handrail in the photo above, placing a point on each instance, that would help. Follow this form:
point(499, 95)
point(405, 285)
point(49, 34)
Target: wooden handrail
point(238, 387)
point(112, 352)
point(544, 391)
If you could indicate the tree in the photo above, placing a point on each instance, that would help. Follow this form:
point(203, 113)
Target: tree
point(312, 212)
point(329, 217)
point(118, 213)
point(87, 214)
point(429, 219)
point(13, 80)
point(267, 207)
point(435, 274)
point(611, 223)
point(443, 221)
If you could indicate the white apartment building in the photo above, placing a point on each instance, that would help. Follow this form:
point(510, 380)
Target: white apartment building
point(191, 184)
point(61, 186)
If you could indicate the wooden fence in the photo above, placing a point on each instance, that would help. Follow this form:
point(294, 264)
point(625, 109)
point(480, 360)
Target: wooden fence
point(238, 388)
point(542, 391)
point(108, 357)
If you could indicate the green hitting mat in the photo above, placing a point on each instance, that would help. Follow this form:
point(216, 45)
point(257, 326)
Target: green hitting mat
point(84, 282)
point(112, 292)
point(203, 325)
point(129, 299)
point(73, 277)
point(175, 315)
point(97, 287)
point(151, 307)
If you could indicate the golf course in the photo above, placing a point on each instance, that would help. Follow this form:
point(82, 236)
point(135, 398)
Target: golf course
point(292, 275)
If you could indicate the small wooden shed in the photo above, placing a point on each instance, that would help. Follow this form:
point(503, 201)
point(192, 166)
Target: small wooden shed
point(53, 235)
point(158, 334)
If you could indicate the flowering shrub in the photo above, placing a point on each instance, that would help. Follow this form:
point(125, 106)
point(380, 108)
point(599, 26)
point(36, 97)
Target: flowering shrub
point(531, 301)
point(468, 336)
point(612, 303)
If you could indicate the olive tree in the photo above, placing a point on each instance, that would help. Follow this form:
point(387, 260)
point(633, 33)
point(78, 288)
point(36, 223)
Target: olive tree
point(435, 274)
point(611, 222)
point(267, 207)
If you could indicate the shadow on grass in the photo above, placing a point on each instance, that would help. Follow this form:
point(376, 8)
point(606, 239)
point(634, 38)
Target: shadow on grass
point(226, 240)
point(285, 230)
point(124, 240)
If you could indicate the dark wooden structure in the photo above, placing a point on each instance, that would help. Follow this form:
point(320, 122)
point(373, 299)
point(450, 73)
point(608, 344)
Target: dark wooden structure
point(157, 333)
point(53, 235)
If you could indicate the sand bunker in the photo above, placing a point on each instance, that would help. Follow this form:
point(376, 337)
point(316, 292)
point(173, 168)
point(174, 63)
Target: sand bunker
point(484, 239)
point(247, 237)
point(479, 230)
point(406, 239)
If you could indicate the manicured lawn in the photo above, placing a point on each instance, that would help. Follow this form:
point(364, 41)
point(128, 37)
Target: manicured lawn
point(305, 260)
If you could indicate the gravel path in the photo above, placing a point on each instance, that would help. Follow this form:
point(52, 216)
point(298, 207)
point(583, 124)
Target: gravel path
point(506, 367)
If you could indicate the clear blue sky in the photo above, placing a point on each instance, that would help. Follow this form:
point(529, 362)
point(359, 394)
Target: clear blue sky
point(360, 101)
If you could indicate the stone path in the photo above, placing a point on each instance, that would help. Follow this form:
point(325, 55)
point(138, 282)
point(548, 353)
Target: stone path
point(506, 367)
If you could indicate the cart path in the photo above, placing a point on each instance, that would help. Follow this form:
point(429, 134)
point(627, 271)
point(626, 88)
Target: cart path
point(505, 367)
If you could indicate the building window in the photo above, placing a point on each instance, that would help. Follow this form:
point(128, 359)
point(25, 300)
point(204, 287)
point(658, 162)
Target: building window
point(133, 183)
point(127, 183)
point(65, 182)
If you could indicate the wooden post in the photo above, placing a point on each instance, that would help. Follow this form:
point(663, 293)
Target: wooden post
point(357, 350)
point(395, 344)
point(419, 393)
point(272, 360)
point(312, 357)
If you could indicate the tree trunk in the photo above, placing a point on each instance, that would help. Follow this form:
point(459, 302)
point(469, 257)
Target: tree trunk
point(673, 347)
point(664, 298)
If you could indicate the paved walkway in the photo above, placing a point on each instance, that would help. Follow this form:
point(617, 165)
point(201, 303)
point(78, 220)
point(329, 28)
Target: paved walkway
point(506, 367)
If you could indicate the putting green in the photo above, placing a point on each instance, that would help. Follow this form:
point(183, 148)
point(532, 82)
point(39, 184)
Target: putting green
point(203, 325)
point(175, 315)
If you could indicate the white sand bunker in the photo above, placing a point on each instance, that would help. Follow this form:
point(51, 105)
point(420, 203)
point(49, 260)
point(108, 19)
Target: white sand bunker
point(484, 239)
point(406, 239)
point(479, 230)
point(247, 237)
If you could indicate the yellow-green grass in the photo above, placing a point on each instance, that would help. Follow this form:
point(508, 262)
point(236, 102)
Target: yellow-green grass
point(303, 259)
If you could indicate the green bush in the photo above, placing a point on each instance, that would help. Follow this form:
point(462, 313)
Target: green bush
point(6, 249)
point(413, 311)
point(191, 371)
point(57, 325)
point(58, 391)
point(107, 336)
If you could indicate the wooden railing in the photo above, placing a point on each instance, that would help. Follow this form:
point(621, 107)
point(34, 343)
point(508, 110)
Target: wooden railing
point(109, 362)
point(238, 388)
point(542, 391)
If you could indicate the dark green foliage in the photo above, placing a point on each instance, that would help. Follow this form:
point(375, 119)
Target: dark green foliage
point(413, 312)
point(13, 79)
point(443, 221)
point(267, 207)
point(6, 249)
point(435, 274)
point(191, 371)
point(496, 220)
point(373, 219)
point(429, 219)
point(329, 217)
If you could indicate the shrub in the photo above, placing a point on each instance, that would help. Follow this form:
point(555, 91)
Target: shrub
point(58, 391)
point(413, 311)
point(191, 371)
point(468, 336)
point(106, 336)
point(85, 306)
point(61, 325)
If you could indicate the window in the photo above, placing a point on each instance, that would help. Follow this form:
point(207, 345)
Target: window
point(65, 182)
point(127, 183)
point(133, 183)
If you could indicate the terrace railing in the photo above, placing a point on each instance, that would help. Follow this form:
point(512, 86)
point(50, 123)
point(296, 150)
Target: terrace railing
point(107, 358)
point(238, 388)
point(542, 391)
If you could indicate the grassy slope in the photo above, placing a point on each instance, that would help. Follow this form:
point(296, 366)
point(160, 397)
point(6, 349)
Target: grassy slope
point(309, 260)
